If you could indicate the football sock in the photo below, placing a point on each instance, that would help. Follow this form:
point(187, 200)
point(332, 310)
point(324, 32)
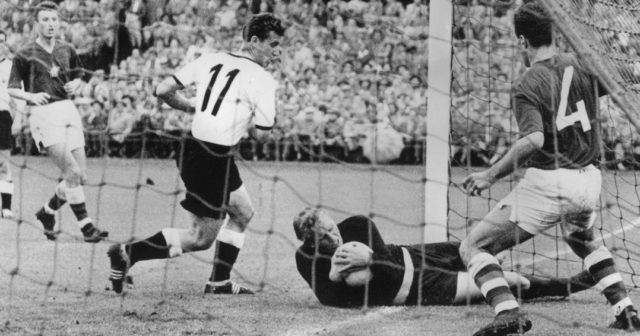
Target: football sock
point(6, 190)
point(76, 199)
point(602, 268)
point(227, 248)
point(57, 200)
point(488, 275)
point(154, 247)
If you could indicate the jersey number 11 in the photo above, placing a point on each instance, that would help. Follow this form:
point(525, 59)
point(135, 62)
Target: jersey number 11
point(231, 75)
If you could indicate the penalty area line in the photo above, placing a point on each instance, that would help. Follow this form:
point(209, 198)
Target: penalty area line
point(371, 315)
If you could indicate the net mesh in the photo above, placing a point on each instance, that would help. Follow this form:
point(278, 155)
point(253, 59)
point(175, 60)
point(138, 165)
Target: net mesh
point(133, 195)
point(61, 285)
point(486, 63)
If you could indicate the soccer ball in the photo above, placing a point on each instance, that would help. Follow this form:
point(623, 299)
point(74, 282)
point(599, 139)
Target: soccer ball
point(358, 276)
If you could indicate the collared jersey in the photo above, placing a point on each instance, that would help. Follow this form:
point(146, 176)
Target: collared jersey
point(41, 71)
point(234, 93)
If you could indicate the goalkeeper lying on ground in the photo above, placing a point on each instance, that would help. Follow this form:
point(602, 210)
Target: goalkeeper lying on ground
point(394, 270)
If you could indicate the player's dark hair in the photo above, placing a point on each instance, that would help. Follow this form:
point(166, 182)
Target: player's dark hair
point(44, 6)
point(260, 25)
point(532, 21)
point(3, 33)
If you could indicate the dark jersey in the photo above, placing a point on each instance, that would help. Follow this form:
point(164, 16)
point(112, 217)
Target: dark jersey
point(566, 112)
point(41, 71)
point(438, 280)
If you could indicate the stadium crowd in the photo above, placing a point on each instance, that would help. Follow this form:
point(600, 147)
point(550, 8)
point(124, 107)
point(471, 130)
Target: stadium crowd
point(353, 70)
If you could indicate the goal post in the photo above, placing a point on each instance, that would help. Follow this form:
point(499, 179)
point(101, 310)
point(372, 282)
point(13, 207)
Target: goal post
point(437, 156)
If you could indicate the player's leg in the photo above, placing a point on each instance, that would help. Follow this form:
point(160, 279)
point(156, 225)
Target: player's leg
point(6, 184)
point(601, 266)
point(229, 243)
point(495, 233)
point(467, 291)
point(76, 198)
point(559, 287)
point(167, 243)
point(69, 189)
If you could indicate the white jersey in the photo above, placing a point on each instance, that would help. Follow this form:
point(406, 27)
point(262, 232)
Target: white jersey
point(234, 93)
point(5, 71)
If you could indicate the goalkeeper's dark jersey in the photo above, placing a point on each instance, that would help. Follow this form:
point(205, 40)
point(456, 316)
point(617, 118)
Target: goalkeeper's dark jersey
point(438, 281)
point(566, 111)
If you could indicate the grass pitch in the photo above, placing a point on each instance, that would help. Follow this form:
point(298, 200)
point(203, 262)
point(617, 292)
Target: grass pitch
point(61, 288)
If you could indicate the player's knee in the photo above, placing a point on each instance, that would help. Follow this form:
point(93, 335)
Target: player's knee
point(465, 251)
point(242, 218)
point(74, 177)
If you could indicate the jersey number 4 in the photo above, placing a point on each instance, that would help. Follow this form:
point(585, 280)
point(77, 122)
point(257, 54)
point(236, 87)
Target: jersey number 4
point(215, 71)
point(564, 120)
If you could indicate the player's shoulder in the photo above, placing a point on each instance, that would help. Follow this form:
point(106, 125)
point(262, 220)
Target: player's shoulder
point(26, 48)
point(247, 64)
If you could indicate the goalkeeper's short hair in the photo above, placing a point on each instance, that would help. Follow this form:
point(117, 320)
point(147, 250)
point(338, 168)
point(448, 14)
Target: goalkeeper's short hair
point(304, 223)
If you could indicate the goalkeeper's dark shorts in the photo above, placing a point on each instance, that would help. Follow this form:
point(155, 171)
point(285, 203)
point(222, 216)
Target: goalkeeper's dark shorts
point(210, 174)
point(440, 276)
point(5, 130)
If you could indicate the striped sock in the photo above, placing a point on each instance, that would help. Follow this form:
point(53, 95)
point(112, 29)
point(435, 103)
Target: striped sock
point(488, 275)
point(603, 270)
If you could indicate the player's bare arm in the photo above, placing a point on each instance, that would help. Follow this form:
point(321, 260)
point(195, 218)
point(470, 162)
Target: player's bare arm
point(40, 98)
point(259, 135)
point(168, 91)
point(519, 153)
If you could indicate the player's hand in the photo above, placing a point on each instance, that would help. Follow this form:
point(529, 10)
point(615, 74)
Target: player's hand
point(40, 98)
point(73, 86)
point(352, 257)
point(475, 183)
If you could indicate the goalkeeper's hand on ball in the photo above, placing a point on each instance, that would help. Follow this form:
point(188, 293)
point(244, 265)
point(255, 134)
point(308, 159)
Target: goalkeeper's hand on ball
point(350, 263)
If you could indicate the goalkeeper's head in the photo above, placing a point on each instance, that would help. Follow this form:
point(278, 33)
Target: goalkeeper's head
point(533, 25)
point(314, 227)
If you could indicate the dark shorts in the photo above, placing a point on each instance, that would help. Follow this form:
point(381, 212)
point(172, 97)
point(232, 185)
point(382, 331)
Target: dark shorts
point(210, 174)
point(5, 130)
point(440, 277)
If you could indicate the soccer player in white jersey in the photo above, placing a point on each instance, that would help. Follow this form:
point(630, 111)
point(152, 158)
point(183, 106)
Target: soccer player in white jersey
point(49, 71)
point(235, 94)
point(6, 185)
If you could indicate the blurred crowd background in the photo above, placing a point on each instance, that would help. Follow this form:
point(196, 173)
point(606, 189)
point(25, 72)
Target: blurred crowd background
point(353, 76)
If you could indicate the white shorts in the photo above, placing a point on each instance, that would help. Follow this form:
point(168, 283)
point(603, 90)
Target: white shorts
point(544, 198)
point(56, 123)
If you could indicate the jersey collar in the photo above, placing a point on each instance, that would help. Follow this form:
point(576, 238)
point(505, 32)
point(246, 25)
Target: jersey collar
point(241, 54)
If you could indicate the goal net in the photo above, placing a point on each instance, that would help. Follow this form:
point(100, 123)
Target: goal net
point(353, 137)
point(487, 62)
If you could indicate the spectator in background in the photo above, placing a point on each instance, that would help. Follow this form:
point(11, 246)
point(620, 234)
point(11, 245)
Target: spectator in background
point(307, 133)
point(95, 123)
point(120, 125)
